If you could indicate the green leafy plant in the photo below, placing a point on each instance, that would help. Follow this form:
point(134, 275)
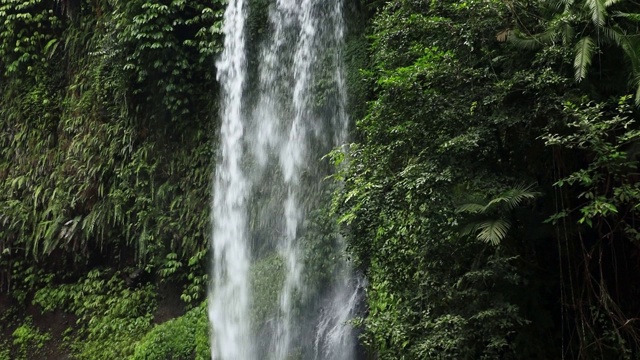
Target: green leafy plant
point(605, 208)
point(608, 180)
point(183, 338)
point(111, 316)
point(591, 27)
point(29, 340)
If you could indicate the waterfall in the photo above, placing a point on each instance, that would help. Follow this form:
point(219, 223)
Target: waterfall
point(229, 305)
point(281, 111)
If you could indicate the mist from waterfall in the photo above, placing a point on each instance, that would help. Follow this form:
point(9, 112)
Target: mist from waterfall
point(278, 120)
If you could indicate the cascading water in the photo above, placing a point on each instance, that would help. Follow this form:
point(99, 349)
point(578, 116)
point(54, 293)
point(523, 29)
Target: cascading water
point(278, 121)
point(229, 307)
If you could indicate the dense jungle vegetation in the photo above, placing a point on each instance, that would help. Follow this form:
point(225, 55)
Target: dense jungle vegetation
point(491, 194)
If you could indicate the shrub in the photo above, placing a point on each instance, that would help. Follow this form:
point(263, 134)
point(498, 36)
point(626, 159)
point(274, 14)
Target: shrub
point(182, 338)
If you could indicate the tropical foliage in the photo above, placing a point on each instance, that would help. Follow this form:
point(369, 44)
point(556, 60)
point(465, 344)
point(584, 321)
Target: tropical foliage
point(469, 101)
point(97, 107)
point(604, 31)
point(107, 118)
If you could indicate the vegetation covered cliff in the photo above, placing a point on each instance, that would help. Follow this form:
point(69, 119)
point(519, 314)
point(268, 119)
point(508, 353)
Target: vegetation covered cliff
point(492, 191)
point(108, 123)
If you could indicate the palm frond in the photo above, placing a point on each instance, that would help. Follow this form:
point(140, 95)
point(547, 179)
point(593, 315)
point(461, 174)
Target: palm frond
point(559, 4)
point(631, 47)
point(615, 35)
point(471, 208)
point(598, 11)
point(568, 34)
point(525, 42)
point(585, 48)
point(635, 17)
point(635, 83)
point(559, 28)
point(608, 3)
point(470, 228)
point(512, 198)
point(493, 231)
point(535, 41)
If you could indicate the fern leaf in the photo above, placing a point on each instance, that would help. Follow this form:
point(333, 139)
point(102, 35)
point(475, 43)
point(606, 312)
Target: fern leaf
point(585, 48)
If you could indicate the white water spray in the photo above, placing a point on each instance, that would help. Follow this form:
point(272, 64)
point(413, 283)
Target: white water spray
point(230, 303)
point(269, 179)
